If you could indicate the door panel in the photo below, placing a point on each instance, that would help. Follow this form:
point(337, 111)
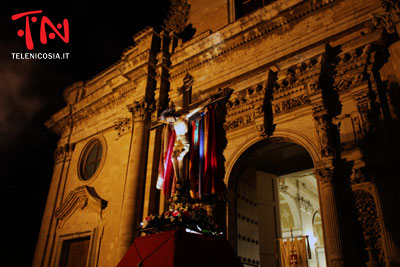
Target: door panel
point(247, 219)
point(267, 206)
point(74, 252)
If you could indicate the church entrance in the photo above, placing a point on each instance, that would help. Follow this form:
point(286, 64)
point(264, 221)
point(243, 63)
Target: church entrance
point(276, 205)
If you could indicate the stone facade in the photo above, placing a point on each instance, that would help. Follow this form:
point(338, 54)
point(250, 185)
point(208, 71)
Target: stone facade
point(322, 74)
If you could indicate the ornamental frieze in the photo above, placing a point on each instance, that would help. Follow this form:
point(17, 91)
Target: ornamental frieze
point(291, 104)
point(244, 107)
point(351, 69)
point(303, 76)
point(264, 27)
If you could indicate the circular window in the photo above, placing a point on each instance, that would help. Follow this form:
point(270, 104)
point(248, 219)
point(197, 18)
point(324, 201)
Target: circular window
point(91, 159)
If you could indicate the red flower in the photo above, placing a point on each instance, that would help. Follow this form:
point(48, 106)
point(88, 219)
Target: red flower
point(175, 213)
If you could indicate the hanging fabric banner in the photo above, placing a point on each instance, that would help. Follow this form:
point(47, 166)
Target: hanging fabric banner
point(166, 170)
point(165, 135)
point(194, 158)
point(294, 252)
point(203, 173)
point(210, 145)
point(201, 156)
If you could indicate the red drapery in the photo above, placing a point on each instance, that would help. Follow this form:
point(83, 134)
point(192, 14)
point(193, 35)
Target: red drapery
point(204, 166)
point(166, 170)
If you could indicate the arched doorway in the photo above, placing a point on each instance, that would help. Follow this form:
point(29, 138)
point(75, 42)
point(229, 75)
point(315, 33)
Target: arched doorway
point(276, 196)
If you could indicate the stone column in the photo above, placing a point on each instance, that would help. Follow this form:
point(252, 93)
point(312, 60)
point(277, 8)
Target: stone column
point(134, 183)
point(330, 218)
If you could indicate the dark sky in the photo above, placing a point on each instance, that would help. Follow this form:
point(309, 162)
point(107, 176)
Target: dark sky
point(31, 91)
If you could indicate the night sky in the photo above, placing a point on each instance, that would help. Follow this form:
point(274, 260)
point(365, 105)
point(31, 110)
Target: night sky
point(31, 91)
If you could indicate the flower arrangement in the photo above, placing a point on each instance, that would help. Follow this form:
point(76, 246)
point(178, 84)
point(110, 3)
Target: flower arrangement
point(191, 216)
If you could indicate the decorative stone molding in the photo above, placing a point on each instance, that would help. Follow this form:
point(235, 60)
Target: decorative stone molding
point(368, 217)
point(256, 31)
point(178, 16)
point(304, 75)
point(140, 110)
point(389, 17)
point(367, 114)
point(294, 85)
point(244, 107)
point(123, 126)
point(63, 152)
point(291, 104)
point(351, 69)
point(324, 130)
point(80, 198)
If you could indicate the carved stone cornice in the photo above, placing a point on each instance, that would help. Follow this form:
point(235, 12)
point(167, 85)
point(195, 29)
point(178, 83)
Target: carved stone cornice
point(140, 110)
point(255, 32)
point(59, 126)
point(81, 197)
point(62, 121)
point(110, 87)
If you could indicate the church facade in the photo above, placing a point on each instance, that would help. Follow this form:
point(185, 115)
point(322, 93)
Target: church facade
point(310, 132)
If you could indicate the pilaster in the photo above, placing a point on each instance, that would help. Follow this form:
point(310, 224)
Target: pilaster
point(134, 183)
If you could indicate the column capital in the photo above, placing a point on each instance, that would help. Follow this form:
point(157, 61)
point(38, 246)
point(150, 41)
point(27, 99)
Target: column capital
point(140, 110)
point(63, 151)
point(325, 175)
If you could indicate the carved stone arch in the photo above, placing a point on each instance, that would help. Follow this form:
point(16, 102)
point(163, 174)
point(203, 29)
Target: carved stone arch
point(287, 135)
point(81, 197)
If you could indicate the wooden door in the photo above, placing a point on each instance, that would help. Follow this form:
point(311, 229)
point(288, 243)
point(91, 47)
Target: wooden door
point(247, 219)
point(268, 216)
point(257, 211)
point(75, 252)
